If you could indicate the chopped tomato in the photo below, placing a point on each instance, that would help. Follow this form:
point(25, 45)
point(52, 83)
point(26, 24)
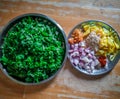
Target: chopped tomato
point(102, 60)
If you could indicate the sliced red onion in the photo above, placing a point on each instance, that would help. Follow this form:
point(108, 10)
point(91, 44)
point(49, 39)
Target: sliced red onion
point(81, 63)
point(82, 44)
point(92, 67)
point(85, 59)
point(75, 48)
point(87, 67)
point(71, 51)
point(90, 55)
point(83, 53)
point(86, 64)
point(87, 50)
point(75, 53)
point(76, 45)
point(72, 55)
point(96, 62)
point(81, 49)
point(92, 64)
point(92, 52)
point(72, 46)
point(94, 58)
point(75, 62)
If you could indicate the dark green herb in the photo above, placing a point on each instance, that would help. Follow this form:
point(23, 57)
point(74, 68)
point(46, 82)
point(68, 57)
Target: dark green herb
point(33, 50)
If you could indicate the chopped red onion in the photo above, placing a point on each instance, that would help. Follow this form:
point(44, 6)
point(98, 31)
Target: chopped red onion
point(81, 49)
point(87, 50)
point(90, 55)
point(76, 62)
point(82, 44)
point(72, 46)
point(83, 53)
point(76, 45)
point(83, 57)
point(71, 51)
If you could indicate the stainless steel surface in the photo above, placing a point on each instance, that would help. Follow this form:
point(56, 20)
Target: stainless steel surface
point(110, 64)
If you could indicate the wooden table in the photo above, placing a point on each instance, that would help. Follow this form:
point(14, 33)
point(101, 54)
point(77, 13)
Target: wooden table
point(69, 83)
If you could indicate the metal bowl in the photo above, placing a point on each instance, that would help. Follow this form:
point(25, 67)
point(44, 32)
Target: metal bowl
point(13, 22)
point(110, 64)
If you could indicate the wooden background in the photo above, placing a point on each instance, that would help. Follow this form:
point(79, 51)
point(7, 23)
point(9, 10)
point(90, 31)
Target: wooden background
point(69, 83)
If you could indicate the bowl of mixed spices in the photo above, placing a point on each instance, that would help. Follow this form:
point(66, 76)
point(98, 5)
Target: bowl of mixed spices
point(94, 47)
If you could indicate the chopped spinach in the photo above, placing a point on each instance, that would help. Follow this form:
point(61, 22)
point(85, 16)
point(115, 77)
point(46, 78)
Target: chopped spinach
point(33, 50)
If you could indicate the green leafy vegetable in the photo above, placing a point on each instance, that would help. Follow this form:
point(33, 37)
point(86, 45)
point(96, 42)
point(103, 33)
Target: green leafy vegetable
point(33, 50)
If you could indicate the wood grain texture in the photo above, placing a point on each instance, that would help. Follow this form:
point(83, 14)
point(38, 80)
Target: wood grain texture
point(69, 83)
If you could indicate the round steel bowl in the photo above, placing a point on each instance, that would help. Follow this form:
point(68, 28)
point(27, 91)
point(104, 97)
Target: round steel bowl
point(111, 64)
point(13, 22)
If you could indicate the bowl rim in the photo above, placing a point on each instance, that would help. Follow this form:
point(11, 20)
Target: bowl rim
point(11, 23)
point(105, 70)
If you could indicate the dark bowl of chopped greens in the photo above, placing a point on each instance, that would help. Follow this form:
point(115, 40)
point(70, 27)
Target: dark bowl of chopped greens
point(33, 49)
